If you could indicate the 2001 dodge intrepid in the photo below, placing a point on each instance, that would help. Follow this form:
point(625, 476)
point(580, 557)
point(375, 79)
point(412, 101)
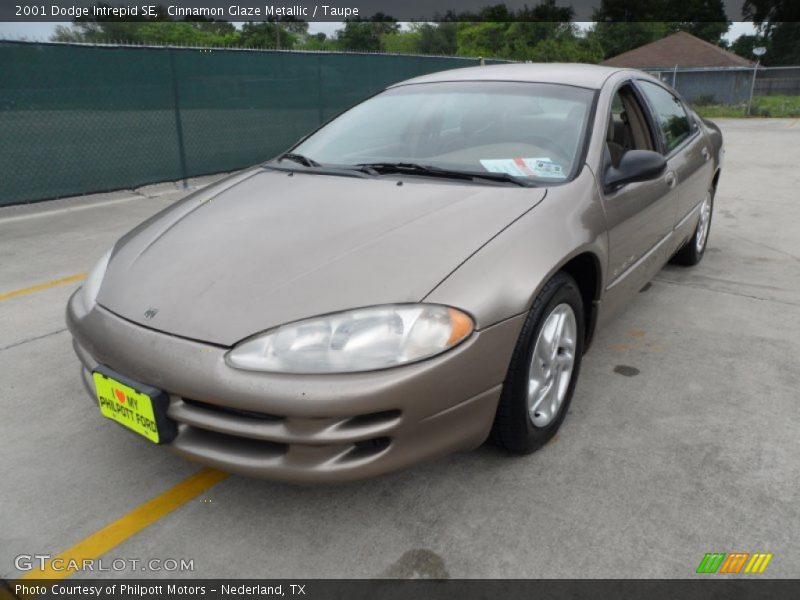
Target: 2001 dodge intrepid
point(421, 273)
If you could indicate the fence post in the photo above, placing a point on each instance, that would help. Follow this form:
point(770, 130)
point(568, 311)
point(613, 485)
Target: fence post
point(178, 124)
point(321, 114)
point(752, 87)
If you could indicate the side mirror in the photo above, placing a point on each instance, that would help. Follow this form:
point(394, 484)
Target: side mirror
point(635, 165)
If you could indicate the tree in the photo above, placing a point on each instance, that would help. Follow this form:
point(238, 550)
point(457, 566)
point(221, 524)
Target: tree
point(283, 35)
point(318, 42)
point(548, 12)
point(401, 42)
point(160, 29)
point(783, 47)
point(438, 38)
point(185, 33)
point(622, 25)
point(110, 29)
point(496, 13)
point(705, 19)
point(618, 37)
point(777, 22)
point(286, 32)
point(619, 11)
point(365, 35)
point(543, 33)
point(744, 44)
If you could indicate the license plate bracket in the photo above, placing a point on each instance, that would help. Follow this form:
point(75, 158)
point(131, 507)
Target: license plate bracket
point(137, 407)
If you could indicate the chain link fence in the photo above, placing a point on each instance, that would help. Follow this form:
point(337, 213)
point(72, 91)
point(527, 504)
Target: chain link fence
point(730, 85)
point(78, 118)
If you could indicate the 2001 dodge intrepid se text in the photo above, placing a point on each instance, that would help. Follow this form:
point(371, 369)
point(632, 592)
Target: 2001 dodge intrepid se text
point(421, 273)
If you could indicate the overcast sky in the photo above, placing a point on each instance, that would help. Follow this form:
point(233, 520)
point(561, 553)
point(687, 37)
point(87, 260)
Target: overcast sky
point(43, 31)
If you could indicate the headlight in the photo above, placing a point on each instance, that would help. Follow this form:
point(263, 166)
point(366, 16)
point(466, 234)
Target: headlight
point(92, 284)
point(358, 340)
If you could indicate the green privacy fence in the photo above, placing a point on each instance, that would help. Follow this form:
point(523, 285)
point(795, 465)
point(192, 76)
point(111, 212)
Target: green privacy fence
point(76, 119)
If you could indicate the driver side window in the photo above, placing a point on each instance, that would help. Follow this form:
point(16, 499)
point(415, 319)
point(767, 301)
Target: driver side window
point(627, 126)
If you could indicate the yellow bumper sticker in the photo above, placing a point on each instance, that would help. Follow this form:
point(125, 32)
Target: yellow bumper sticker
point(126, 406)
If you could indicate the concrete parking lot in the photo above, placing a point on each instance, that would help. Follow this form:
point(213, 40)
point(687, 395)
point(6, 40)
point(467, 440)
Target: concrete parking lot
point(683, 437)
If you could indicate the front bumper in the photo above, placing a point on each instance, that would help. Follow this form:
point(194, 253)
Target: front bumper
point(305, 428)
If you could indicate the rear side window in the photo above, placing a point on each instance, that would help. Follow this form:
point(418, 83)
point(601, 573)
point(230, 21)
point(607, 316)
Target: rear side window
point(670, 114)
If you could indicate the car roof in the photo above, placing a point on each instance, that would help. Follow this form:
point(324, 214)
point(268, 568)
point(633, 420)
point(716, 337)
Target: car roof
point(575, 74)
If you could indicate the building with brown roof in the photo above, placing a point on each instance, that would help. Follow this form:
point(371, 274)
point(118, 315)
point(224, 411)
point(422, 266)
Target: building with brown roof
point(679, 49)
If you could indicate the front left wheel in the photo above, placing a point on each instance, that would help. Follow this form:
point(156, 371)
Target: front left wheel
point(543, 370)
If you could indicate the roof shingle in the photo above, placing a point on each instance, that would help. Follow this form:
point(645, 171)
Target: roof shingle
point(681, 49)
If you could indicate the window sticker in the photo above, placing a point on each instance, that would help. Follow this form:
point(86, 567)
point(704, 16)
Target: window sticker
point(525, 167)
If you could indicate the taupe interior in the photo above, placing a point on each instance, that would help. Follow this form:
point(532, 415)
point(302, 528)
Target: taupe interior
point(627, 127)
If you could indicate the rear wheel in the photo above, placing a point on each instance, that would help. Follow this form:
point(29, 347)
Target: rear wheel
point(544, 369)
point(692, 252)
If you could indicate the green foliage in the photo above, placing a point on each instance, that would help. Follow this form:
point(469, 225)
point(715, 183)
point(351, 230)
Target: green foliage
point(705, 100)
point(319, 42)
point(481, 39)
point(268, 34)
point(183, 33)
point(441, 38)
point(622, 25)
point(193, 31)
point(401, 42)
point(196, 32)
point(618, 37)
point(536, 41)
point(778, 106)
point(763, 106)
point(365, 36)
point(771, 12)
point(744, 44)
point(779, 24)
point(542, 32)
point(783, 47)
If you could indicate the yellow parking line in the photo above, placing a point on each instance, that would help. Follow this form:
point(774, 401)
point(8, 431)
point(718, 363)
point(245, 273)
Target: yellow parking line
point(130, 524)
point(42, 286)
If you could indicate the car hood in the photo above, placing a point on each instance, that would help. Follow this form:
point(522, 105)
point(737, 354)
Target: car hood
point(264, 248)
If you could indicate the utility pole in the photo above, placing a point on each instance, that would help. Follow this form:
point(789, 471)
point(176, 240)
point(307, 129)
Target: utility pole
point(758, 51)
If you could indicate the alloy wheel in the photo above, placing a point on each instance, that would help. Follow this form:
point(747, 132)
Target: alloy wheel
point(551, 365)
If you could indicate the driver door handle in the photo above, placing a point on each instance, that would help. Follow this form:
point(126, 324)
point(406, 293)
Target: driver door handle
point(671, 180)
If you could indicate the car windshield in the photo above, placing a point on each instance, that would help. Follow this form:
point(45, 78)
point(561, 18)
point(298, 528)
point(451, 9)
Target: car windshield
point(527, 130)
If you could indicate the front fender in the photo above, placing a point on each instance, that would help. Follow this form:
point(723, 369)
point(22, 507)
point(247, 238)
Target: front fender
point(503, 278)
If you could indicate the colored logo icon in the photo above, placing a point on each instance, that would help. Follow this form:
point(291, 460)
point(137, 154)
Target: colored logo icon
point(734, 562)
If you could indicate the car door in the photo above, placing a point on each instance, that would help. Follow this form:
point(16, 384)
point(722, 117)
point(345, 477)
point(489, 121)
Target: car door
point(640, 216)
point(687, 150)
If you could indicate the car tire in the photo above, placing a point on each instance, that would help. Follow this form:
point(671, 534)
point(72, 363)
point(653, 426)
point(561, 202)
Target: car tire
point(526, 418)
point(692, 251)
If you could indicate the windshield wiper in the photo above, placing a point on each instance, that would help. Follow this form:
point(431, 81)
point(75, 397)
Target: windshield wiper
point(299, 158)
point(430, 170)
